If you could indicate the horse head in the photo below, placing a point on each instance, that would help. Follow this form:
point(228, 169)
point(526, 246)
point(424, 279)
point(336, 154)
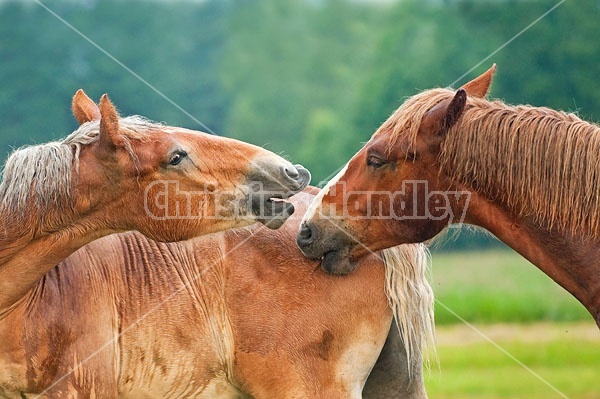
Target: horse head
point(392, 191)
point(172, 183)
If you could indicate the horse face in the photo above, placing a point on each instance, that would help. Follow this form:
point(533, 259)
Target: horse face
point(379, 200)
point(172, 183)
point(393, 190)
point(195, 183)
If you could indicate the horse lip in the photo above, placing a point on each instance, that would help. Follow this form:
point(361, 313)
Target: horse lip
point(273, 212)
point(311, 251)
point(338, 262)
point(273, 206)
point(301, 182)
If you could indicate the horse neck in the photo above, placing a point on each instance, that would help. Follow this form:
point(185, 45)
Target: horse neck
point(533, 161)
point(26, 256)
point(19, 227)
point(533, 175)
point(571, 262)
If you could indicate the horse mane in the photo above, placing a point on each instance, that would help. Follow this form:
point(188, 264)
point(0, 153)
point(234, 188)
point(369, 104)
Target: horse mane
point(538, 162)
point(37, 180)
point(411, 298)
point(401, 124)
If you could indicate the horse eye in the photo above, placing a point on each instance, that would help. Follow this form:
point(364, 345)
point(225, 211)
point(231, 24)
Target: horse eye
point(177, 157)
point(375, 162)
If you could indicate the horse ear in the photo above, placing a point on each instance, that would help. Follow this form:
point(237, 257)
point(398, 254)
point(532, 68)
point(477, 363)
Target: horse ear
point(479, 86)
point(454, 111)
point(84, 109)
point(109, 123)
point(443, 116)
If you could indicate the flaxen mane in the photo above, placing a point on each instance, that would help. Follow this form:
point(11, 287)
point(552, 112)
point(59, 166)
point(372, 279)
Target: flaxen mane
point(539, 162)
point(37, 180)
point(411, 298)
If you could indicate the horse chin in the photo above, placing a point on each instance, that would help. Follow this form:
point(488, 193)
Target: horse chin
point(338, 262)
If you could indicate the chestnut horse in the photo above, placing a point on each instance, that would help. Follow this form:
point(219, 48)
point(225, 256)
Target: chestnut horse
point(113, 175)
point(232, 315)
point(529, 175)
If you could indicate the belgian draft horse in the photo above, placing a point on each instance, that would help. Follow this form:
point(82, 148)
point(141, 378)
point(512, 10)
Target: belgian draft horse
point(231, 315)
point(530, 175)
point(117, 174)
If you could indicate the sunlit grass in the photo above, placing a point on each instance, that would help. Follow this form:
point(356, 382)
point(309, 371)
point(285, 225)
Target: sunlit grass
point(566, 356)
point(499, 286)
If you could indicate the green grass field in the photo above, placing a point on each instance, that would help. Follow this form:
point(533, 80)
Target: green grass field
point(498, 286)
point(566, 356)
point(523, 312)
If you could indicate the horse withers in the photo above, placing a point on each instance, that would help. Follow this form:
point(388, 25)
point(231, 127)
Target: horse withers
point(530, 175)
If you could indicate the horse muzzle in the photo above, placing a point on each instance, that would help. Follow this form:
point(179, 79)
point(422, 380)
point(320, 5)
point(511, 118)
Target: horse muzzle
point(333, 251)
point(270, 186)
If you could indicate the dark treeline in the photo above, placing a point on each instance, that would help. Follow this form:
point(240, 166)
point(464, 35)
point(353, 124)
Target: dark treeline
point(309, 79)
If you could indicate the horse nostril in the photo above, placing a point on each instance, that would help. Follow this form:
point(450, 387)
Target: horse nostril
point(291, 172)
point(305, 235)
point(305, 231)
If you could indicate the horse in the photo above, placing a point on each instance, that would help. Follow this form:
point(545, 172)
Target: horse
point(117, 174)
point(529, 175)
point(238, 314)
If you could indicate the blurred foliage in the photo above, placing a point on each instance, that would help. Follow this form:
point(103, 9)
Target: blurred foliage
point(311, 79)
